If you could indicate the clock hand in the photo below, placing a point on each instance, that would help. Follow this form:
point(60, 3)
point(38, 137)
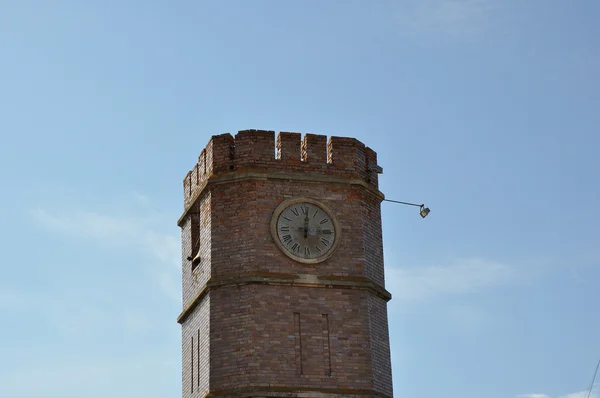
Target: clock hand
point(306, 226)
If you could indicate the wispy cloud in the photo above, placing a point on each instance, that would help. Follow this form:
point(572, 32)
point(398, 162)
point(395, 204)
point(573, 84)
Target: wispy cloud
point(141, 198)
point(466, 318)
point(115, 230)
point(142, 233)
point(94, 377)
point(67, 314)
point(580, 394)
point(128, 328)
point(465, 276)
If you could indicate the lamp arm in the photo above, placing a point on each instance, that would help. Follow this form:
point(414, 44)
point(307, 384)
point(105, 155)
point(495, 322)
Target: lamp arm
point(403, 203)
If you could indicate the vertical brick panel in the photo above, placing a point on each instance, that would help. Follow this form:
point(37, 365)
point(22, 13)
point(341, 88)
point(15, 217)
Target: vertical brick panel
point(194, 179)
point(195, 233)
point(326, 345)
point(370, 215)
point(196, 373)
point(314, 148)
point(197, 225)
point(380, 346)
point(219, 154)
point(371, 157)
point(187, 189)
point(254, 147)
point(312, 347)
point(186, 251)
point(289, 146)
point(298, 343)
point(348, 154)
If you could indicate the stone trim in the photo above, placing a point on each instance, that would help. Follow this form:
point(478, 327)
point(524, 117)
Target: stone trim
point(303, 280)
point(283, 392)
point(225, 178)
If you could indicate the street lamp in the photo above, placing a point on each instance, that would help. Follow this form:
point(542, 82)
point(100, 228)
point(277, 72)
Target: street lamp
point(423, 210)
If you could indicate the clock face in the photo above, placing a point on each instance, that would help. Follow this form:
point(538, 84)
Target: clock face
point(305, 230)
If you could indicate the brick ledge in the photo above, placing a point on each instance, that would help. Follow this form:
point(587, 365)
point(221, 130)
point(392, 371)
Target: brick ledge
point(224, 178)
point(304, 280)
point(288, 392)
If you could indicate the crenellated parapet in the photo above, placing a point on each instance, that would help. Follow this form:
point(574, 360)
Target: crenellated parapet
point(260, 151)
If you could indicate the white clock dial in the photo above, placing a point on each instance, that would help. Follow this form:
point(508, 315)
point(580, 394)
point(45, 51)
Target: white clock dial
point(305, 230)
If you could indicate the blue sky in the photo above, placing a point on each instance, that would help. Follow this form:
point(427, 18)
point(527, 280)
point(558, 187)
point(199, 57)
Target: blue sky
point(486, 111)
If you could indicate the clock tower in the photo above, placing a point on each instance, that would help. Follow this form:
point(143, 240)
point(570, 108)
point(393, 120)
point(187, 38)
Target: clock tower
point(282, 269)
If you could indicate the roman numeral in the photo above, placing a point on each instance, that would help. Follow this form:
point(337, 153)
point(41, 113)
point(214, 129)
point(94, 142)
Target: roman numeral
point(284, 228)
point(316, 211)
point(296, 247)
point(295, 211)
point(289, 219)
point(327, 231)
point(325, 241)
point(286, 238)
point(318, 249)
point(323, 221)
point(306, 251)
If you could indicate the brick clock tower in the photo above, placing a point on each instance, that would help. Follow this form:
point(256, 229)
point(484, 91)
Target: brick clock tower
point(283, 279)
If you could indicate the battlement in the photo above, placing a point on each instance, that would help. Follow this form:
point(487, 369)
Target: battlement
point(260, 151)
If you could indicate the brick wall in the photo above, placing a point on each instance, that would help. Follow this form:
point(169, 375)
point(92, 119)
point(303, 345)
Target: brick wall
point(200, 216)
point(242, 241)
point(196, 351)
point(380, 345)
point(274, 336)
point(254, 150)
point(370, 216)
point(264, 321)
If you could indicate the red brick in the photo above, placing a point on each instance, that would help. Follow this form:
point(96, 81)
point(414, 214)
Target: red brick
point(277, 336)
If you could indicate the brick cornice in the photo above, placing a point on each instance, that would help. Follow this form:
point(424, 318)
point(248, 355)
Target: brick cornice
point(236, 176)
point(289, 392)
point(276, 279)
